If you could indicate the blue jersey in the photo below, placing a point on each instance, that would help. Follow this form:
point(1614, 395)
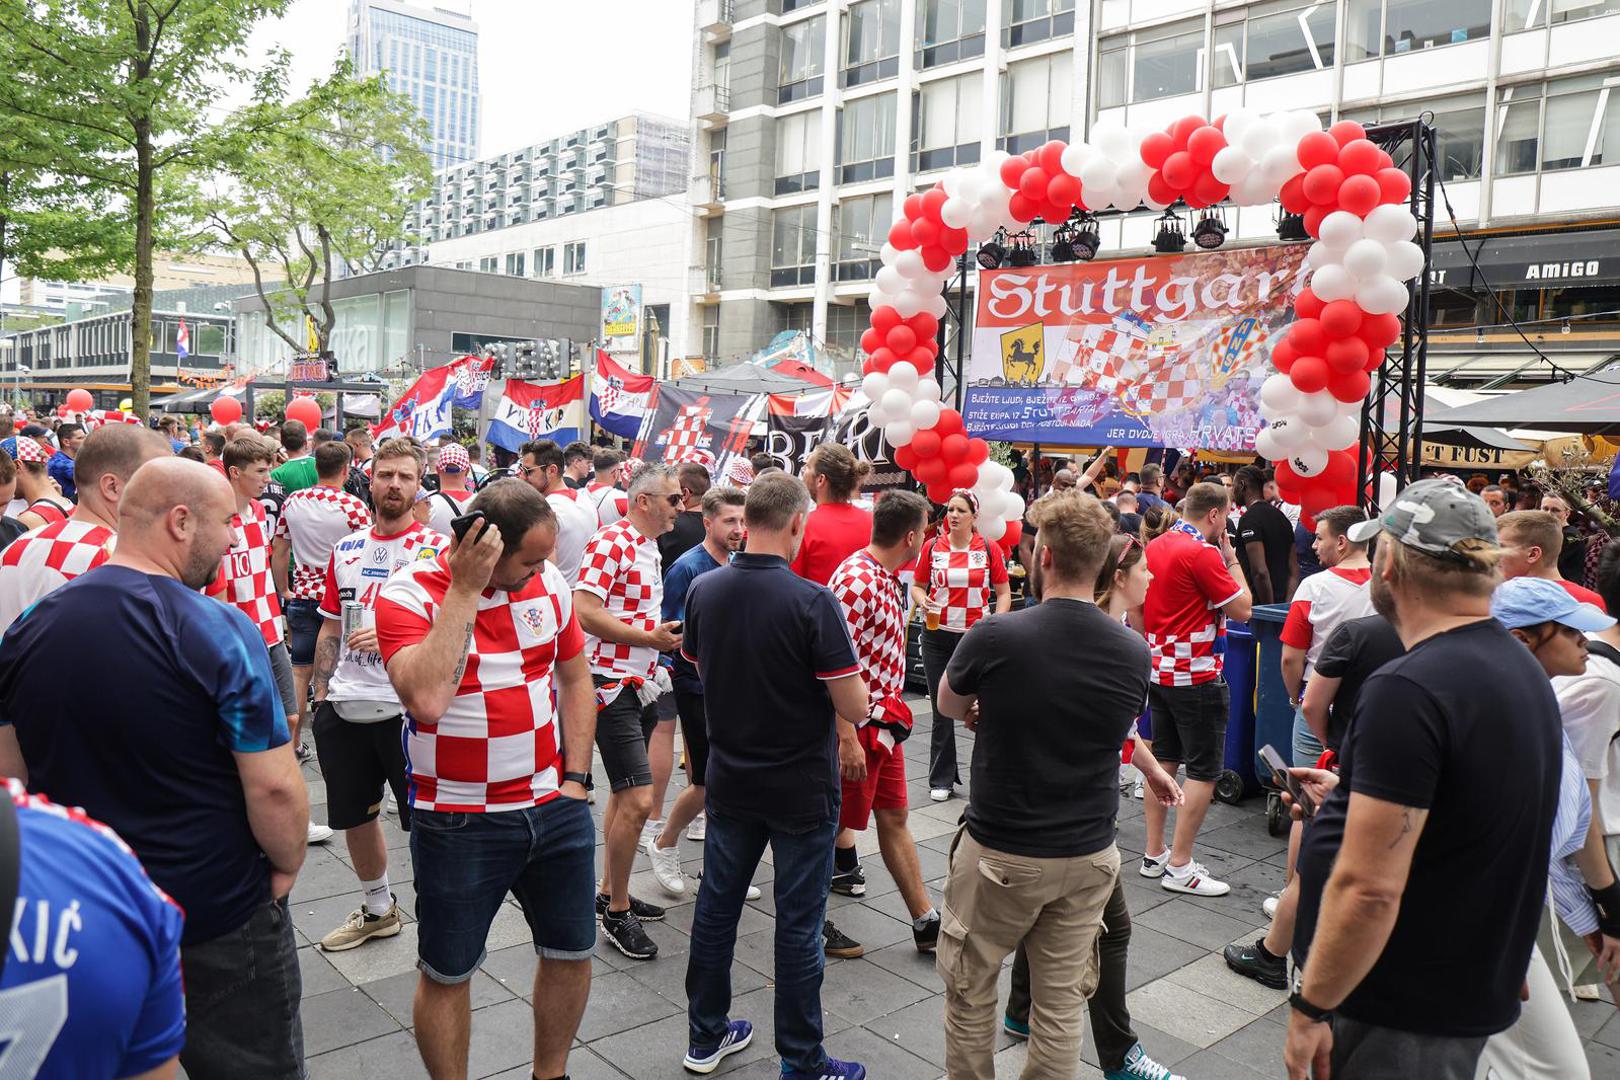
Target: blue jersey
point(92, 984)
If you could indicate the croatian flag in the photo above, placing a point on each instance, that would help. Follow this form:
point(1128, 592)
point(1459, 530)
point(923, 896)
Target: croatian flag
point(423, 412)
point(529, 411)
point(182, 341)
point(618, 398)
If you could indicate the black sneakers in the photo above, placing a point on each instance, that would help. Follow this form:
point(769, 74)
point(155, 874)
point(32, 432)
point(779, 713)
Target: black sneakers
point(839, 945)
point(927, 938)
point(850, 883)
point(624, 930)
point(639, 908)
point(1258, 964)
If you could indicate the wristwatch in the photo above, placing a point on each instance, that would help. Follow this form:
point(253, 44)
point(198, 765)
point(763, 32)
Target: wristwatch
point(1313, 1013)
point(582, 779)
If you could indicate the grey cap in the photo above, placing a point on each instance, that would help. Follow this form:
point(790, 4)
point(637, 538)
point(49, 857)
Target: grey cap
point(1433, 516)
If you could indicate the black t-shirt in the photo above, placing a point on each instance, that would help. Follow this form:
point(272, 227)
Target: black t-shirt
point(1268, 526)
point(687, 534)
point(1482, 755)
point(1046, 753)
point(10, 529)
point(1356, 649)
point(765, 642)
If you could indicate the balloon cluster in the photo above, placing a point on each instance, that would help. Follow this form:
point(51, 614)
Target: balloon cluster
point(1242, 156)
point(1343, 171)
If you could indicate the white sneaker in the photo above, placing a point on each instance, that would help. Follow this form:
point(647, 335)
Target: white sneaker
point(1153, 865)
point(1269, 906)
point(939, 794)
point(318, 834)
point(1136, 788)
point(753, 892)
point(699, 827)
point(649, 832)
point(666, 868)
point(1193, 879)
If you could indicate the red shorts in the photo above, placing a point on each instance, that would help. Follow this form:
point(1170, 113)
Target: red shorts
point(884, 789)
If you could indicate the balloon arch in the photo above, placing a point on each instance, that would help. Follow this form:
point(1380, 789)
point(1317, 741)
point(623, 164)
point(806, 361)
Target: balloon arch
point(1354, 204)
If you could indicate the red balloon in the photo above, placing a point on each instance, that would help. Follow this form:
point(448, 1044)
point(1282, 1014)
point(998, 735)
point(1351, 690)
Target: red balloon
point(225, 410)
point(964, 474)
point(1318, 148)
point(1014, 533)
point(900, 235)
point(1349, 385)
point(950, 423)
point(1181, 131)
point(925, 444)
point(305, 410)
point(1317, 499)
point(937, 259)
point(1159, 191)
point(1287, 477)
point(939, 493)
point(885, 319)
point(1313, 220)
point(1012, 170)
point(80, 400)
point(884, 358)
point(1375, 360)
point(1394, 186)
point(1155, 148)
point(978, 451)
point(933, 200)
point(1209, 190)
point(902, 339)
point(1179, 170)
point(953, 448)
point(1033, 182)
point(1307, 337)
point(1340, 319)
point(867, 367)
point(931, 470)
point(871, 341)
point(1054, 213)
point(1347, 354)
point(924, 325)
point(1359, 194)
point(1340, 473)
point(905, 457)
point(1380, 331)
point(1359, 158)
point(913, 206)
point(954, 241)
point(921, 358)
point(1205, 143)
point(925, 230)
point(1063, 190)
point(1384, 160)
point(1022, 207)
point(1292, 195)
point(1050, 157)
point(1321, 184)
point(1283, 356)
point(1346, 132)
point(1309, 374)
point(1307, 305)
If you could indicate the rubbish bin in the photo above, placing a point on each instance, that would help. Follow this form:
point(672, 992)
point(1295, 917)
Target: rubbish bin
point(1273, 716)
point(1238, 781)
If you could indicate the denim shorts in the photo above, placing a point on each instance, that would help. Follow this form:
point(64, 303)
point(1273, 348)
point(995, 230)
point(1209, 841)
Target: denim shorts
point(467, 863)
point(304, 620)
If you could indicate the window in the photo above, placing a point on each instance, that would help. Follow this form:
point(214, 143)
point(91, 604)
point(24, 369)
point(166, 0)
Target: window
point(871, 42)
point(1276, 39)
point(1530, 14)
point(946, 123)
point(545, 262)
point(800, 72)
point(1392, 27)
point(713, 250)
point(1035, 102)
point(1027, 21)
point(490, 264)
point(514, 264)
point(866, 139)
point(1167, 62)
point(949, 30)
point(574, 257)
point(1459, 131)
point(796, 5)
point(845, 325)
point(798, 152)
point(1564, 124)
point(793, 246)
point(711, 331)
point(860, 227)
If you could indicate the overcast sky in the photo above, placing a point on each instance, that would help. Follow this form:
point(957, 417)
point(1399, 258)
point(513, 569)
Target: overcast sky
point(545, 67)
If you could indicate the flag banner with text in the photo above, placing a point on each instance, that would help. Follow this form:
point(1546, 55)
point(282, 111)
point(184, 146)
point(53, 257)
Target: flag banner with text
point(690, 425)
point(1168, 350)
point(528, 411)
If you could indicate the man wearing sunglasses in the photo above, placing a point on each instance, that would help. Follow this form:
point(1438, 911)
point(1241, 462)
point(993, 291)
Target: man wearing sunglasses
point(619, 596)
point(541, 467)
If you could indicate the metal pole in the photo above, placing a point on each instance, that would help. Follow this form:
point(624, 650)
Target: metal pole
point(961, 323)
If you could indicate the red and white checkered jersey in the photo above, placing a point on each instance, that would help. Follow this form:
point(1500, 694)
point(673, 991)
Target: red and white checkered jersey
point(962, 582)
point(611, 504)
point(52, 555)
point(623, 569)
point(312, 521)
point(356, 570)
point(577, 522)
point(876, 613)
point(496, 747)
point(1186, 632)
point(244, 574)
point(1320, 604)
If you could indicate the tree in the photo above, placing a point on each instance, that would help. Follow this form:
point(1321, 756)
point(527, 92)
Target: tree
point(108, 98)
point(316, 186)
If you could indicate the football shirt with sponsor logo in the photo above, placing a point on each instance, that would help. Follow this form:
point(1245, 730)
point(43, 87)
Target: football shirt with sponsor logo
point(356, 570)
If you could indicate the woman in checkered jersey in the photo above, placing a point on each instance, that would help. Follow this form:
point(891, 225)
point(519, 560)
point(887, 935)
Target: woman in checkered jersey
point(957, 574)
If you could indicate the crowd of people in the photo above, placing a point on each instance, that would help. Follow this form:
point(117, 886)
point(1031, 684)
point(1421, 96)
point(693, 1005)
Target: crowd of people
point(474, 652)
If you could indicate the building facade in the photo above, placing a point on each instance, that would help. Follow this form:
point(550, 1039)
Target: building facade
point(813, 119)
point(429, 52)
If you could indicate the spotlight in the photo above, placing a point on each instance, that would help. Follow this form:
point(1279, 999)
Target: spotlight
point(993, 252)
point(1172, 236)
point(1023, 250)
point(1292, 227)
point(1063, 245)
point(1085, 240)
point(1210, 233)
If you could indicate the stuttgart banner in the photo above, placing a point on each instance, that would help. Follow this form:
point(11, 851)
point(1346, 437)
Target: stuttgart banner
point(1168, 350)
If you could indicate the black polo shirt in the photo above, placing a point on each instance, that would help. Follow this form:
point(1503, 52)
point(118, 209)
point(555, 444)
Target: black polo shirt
point(766, 641)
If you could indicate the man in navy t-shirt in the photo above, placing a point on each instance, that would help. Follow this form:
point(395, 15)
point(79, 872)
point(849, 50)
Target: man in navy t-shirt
point(193, 766)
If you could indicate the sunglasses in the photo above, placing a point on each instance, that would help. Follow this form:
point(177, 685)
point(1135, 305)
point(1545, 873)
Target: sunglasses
point(525, 470)
point(674, 498)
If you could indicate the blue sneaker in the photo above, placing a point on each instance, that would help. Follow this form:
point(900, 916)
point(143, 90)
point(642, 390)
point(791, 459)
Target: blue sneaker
point(831, 1069)
point(1018, 1029)
point(1138, 1066)
point(705, 1059)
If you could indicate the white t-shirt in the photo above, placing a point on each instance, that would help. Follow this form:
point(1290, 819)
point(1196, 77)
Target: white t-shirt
point(576, 524)
point(1590, 707)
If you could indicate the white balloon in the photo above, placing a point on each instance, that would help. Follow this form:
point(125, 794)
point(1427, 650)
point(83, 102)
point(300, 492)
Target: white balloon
point(909, 264)
point(924, 414)
point(1074, 157)
point(888, 253)
point(1391, 223)
point(1099, 172)
point(1340, 229)
point(956, 213)
point(1297, 124)
point(1099, 196)
point(907, 303)
point(877, 415)
point(891, 280)
point(1387, 488)
point(1383, 295)
point(1277, 393)
point(984, 224)
point(875, 385)
point(903, 376)
point(1403, 260)
point(876, 298)
point(1231, 164)
point(1365, 259)
point(1112, 139)
point(1254, 189)
point(969, 187)
point(1308, 460)
point(992, 528)
point(1341, 433)
point(1350, 408)
point(896, 403)
point(1289, 432)
point(1264, 444)
point(927, 390)
point(1323, 254)
point(935, 305)
point(899, 432)
point(1260, 137)
point(1331, 283)
point(1012, 506)
point(1279, 163)
point(1238, 122)
point(1318, 408)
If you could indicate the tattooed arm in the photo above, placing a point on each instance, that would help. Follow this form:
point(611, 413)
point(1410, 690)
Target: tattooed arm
point(327, 647)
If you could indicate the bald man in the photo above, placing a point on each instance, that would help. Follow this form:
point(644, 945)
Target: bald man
point(193, 768)
point(52, 556)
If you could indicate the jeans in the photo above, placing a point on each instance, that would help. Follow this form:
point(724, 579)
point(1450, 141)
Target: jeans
point(1307, 747)
point(304, 620)
point(803, 856)
point(242, 992)
point(938, 646)
point(1110, 1019)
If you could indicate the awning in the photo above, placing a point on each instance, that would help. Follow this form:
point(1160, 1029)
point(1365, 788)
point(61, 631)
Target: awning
point(1588, 404)
point(1561, 260)
point(746, 378)
point(1480, 368)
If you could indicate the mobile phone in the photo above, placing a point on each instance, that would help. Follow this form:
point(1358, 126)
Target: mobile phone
point(677, 627)
point(463, 524)
point(1285, 779)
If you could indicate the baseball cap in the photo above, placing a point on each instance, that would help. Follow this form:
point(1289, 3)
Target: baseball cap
point(1528, 601)
point(740, 472)
point(1432, 516)
point(453, 458)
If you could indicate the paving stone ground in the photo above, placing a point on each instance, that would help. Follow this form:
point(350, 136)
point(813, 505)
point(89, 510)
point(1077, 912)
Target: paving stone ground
point(884, 1009)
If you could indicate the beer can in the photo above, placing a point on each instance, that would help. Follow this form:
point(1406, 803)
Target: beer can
point(353, 617)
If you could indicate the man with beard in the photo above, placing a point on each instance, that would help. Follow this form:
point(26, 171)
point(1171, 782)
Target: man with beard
point(194, 769)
